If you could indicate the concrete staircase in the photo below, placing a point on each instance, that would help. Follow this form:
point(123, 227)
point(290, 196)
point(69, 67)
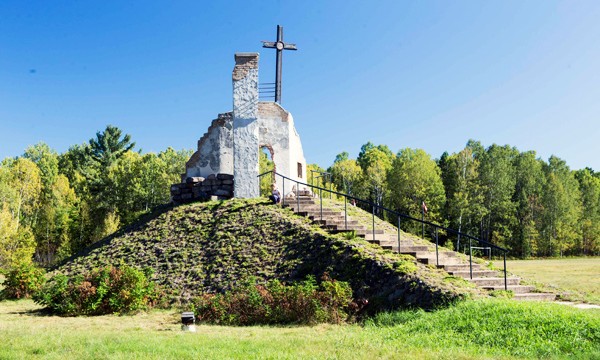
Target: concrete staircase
point(450, 261)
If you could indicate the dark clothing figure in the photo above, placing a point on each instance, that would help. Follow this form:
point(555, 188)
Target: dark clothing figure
point(276, 197)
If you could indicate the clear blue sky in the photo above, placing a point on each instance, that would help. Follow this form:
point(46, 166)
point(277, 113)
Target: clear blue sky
point(420, 74)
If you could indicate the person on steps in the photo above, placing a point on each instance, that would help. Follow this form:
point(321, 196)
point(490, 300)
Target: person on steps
point(276, 196)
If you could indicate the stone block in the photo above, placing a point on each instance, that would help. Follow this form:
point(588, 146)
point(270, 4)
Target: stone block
point(221, 192)
point(186, 191)
point(186, 196)
point(214, 198)
point(194, 179)
point(209, 182)
point(224, 176)
point(226, 187)
point(211, 177)
point(206, 188)
point(227, 182)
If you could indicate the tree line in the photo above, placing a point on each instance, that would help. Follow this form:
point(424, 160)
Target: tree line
point(53, 205)
point(513, 199)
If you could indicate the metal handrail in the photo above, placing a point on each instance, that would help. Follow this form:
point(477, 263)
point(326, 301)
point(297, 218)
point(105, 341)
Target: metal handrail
point(399, 217)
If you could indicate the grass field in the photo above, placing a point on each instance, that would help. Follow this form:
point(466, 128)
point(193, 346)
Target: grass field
point(576, 278)
point(491, 329)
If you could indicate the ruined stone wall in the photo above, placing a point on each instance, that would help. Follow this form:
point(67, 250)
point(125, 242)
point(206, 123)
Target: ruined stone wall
point(215, 150)
point(231, 144)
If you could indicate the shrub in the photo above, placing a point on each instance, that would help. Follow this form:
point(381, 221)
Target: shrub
point(22, 281)
point(277, 303)
point(102, 291)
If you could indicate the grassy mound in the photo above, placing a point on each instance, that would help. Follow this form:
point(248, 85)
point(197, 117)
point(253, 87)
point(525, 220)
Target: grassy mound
point(213, 246)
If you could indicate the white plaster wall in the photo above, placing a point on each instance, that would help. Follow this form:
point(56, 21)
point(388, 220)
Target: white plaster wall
point(296, 154)
point(277, 132)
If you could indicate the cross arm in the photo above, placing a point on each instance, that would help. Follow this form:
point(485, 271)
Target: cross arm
point(268, 44)
point(290, 47)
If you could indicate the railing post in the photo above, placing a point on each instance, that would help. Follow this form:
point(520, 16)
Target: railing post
point(470, 259)
point(505, 282)
point(346, 213)
point(373, 222)
point(297, 197)
point(437, 257)
point(398, 234)
point(283, 192)
point(422, 222)
point(321, 200)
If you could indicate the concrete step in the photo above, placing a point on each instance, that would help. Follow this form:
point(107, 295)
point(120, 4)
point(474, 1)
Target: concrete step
point(497, 281)
point(516, 289)
point(414, 249)
point(429, 253)
point(535, 296)
point(341, 229)
point(317, 213)
point(461, 267)
point(365, 232)
point(384, 237)
point(442, 260)
point(476, 273)
point(293, 202)
point(332, 220)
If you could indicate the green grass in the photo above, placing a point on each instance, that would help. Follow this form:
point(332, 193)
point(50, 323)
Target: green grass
point(575, 278)
point(498, 329)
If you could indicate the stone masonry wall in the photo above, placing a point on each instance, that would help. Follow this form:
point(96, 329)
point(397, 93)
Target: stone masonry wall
point(213, 187)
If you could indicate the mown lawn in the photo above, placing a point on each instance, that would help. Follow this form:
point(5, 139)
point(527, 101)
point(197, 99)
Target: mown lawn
point(577, 278)
point(471, 330)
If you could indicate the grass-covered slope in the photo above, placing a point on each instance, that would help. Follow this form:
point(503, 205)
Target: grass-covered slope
point(209, 247)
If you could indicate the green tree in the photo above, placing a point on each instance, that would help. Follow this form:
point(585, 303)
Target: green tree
point(562, 209)
point(26, 181)
point(16, 242)
point(108, 146)
point(346, 175)
point(155, 181)
point(497, 180)
point(52, 231)
point(375, 165)
point(265, 164)
point(464, 198)
point(414, 178)
point(529, 187)
point(589, 186)
point(101, 155)
point(125, 177)
point(175, 162)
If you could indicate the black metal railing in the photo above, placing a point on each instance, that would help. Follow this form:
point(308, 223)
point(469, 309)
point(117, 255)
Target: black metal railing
point(366, 204)
point(266, 91)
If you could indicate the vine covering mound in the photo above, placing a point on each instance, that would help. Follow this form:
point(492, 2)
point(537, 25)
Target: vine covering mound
point(211, 247)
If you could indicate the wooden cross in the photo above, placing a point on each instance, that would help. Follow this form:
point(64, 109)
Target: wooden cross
point(279, 45)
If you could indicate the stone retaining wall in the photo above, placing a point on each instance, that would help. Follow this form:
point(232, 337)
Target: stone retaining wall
point(213, 187)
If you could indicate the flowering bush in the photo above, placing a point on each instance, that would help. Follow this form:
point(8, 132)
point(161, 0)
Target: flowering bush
point(101, 291)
